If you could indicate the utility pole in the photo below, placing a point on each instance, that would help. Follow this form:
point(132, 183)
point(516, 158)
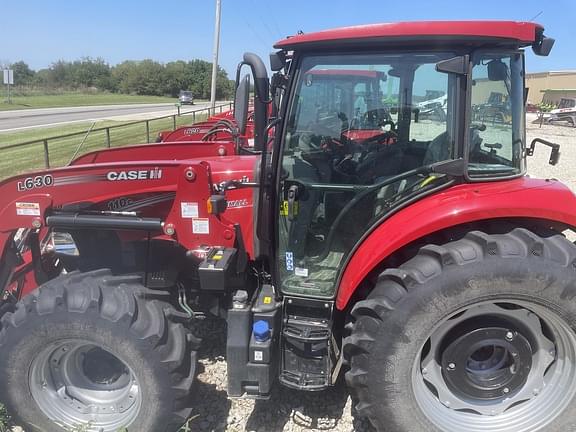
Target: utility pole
point(215, 59)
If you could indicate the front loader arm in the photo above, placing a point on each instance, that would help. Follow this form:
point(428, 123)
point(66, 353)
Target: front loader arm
point(66, 198)
point(161, 151)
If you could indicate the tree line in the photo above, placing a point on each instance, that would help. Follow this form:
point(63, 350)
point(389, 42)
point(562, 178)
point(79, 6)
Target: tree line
point(144, 77)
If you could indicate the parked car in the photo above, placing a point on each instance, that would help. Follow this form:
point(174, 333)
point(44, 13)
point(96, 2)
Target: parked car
point(186, 97)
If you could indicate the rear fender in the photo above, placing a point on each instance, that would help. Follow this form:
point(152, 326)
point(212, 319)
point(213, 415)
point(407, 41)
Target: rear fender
point(519, 198)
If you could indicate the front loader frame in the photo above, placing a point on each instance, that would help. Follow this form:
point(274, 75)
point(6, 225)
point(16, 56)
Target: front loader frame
point(63, 199)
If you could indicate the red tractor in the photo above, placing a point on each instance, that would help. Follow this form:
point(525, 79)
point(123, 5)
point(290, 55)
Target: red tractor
point(221, 127)
point(354, 237)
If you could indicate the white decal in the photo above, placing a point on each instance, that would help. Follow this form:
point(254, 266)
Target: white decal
point(35, 182)
point(298, 271)
point(154, 174)
point(289, 261)
point(258, 356)
point(201, 226)
point(189, 210)
point(27, 209)
point(238, 203)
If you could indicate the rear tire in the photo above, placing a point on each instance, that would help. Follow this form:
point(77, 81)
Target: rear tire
point(476, 335)
point(99, 350)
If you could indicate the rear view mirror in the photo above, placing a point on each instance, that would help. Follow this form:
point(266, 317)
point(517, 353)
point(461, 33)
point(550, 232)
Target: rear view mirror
point(277, 60)
point(543, 46)
point(497, 70)
point(241, 103)
point(455, 65)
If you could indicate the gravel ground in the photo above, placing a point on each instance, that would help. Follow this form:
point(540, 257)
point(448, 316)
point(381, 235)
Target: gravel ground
point(292, 411)
point(287, 410)
point(538, 165)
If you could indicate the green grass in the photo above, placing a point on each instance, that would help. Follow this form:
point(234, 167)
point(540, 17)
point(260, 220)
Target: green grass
point(4, 419)
point(77, 99)
point(31, 157)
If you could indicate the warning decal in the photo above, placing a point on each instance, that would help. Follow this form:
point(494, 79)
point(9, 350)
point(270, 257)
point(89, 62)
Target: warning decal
point(201, 226)
point(189, 210)
point(27, 209)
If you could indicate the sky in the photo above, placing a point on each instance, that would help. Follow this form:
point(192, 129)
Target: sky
point(41, 32)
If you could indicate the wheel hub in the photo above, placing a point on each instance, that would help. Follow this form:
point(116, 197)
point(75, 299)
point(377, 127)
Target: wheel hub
point(101, 367)
point(78, 383)
point(508, 365)
point(487, 363)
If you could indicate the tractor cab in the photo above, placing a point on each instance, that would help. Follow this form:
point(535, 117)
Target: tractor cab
point(368, 131)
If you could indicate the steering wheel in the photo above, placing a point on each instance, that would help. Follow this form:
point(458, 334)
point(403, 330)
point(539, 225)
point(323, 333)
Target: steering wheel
point(383, 138)
point(378, 117)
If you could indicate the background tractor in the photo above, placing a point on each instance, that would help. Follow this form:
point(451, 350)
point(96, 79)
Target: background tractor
point(336, 231)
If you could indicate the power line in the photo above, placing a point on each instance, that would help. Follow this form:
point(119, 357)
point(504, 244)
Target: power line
point(536, 16)
point(253, 30)
point(264, 22)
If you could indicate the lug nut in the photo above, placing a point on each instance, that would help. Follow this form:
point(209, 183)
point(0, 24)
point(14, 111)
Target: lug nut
point(505, 390)
point(451, 366)
point(509, 335)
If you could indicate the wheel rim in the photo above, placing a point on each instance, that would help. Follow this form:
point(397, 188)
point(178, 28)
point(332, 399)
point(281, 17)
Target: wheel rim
point(508, 366)
point(78, 383)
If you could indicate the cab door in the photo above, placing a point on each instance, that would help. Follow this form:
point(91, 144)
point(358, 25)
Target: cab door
point(345, 163)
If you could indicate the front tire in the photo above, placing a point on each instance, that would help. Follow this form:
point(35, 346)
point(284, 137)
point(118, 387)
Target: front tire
point(474, 335)
point(96, 351)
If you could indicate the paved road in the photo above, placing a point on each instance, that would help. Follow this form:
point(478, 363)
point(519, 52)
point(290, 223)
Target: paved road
point(46, 117)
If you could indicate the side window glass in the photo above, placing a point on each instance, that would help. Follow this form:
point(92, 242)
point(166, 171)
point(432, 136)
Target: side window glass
point(496, 132)
point(360, 105)
point(429, 104)
point(491, 107)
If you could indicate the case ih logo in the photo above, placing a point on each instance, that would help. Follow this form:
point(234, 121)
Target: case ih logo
point(154, 174)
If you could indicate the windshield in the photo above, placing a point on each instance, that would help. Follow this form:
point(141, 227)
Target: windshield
point(360, 130)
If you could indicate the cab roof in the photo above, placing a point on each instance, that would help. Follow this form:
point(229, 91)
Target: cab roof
point(514, 33)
